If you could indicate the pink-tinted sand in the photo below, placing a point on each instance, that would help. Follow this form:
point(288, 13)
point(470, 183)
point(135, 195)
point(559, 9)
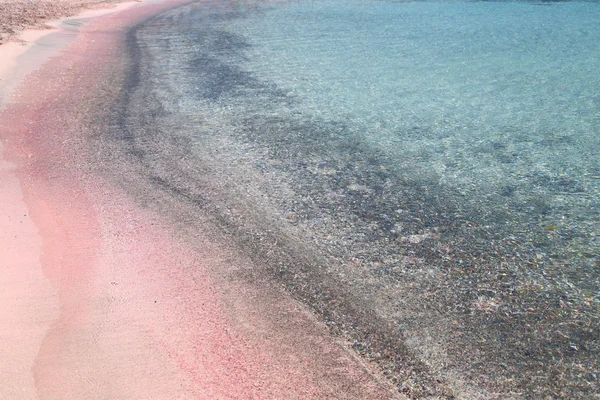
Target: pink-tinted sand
point(103, 299)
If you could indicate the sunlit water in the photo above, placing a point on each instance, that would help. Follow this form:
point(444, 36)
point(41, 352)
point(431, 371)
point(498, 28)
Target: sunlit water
point(444, 157)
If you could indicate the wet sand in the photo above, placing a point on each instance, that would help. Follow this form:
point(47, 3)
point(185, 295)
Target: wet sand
point(103, 298)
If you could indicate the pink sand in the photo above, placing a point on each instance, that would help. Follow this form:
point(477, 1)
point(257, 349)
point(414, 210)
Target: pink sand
point(102, 299)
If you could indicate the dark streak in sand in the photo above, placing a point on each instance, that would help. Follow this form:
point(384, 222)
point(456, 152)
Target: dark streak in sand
point(153, 299)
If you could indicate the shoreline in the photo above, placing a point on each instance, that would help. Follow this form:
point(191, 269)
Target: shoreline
point(117, 302)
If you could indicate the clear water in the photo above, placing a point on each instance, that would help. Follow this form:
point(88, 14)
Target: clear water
point(492, 100)
point(441, 159)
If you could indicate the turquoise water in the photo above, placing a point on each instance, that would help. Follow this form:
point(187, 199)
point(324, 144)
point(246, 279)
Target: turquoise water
point(425, 175)
point(492, 100)
point(496, 102)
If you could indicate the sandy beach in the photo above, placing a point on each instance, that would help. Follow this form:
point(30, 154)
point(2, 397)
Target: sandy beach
point(102, 298)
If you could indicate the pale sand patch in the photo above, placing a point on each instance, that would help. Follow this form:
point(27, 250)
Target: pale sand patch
point(28, 302)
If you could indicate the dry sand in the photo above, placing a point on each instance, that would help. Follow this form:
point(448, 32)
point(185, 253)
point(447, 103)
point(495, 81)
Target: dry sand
point(103, 299)
point(28, 302)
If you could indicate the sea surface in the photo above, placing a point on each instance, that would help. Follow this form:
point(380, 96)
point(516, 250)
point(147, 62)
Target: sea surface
point(424, 175)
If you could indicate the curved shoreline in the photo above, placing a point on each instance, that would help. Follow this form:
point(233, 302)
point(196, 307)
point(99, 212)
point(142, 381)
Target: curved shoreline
point(123, 305)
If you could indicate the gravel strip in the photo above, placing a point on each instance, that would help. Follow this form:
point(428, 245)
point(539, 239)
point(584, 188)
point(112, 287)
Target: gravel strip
point(18, 15)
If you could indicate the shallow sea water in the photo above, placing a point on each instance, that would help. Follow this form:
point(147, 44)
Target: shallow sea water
point(425, 175)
